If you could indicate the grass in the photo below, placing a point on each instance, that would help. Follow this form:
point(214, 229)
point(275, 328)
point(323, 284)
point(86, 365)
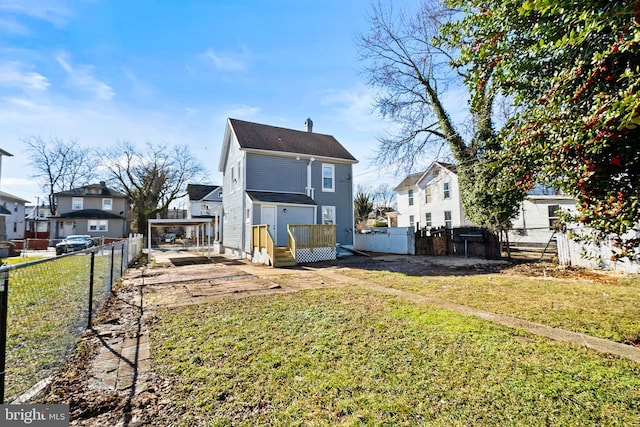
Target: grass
point(19, 260)
point(354, 357)
point(47, 311)
point(605, 310)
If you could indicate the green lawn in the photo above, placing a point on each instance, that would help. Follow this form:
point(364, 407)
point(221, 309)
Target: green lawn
point(47, 311)
point(605, 310)
point(355, 357)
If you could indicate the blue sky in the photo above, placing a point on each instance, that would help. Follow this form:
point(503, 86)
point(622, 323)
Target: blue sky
point(171, 72)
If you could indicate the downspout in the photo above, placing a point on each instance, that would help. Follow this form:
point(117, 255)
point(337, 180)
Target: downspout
point(309, 188)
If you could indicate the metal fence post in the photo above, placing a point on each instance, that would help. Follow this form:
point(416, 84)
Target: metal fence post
point(91, 271)
point(121, 260)
point(113, 250)
point(4, 291)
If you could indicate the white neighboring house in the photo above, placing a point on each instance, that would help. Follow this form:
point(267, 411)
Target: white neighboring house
point(534, 224)
point(12, 208)
point(205, 201)
point(432, 199)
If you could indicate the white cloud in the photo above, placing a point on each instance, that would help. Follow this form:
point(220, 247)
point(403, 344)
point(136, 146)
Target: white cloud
point(225, 61)
point(354, 107)
point(9, 24)
point(53, 11)
point(242, 112)
point(82, 77)
point(16, 74)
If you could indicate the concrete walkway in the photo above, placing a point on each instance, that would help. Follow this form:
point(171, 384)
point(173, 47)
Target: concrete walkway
point(123, 362)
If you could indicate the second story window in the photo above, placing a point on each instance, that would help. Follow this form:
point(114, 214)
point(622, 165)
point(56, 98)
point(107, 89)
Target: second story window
point(15, 206)
point(107, 204)
point(410, 197)
point(446, 191)
point(77, 203)
point(427, 194)
point(328, 177)
point(411, 221)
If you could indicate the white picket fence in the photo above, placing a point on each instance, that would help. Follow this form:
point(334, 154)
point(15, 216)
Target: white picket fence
point(593, 255)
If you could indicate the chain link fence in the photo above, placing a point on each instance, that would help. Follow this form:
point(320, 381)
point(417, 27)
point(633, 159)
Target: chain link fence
point(45, 305)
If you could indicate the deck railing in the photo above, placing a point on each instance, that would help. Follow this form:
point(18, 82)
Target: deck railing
point(311, 236)
point(262, 239)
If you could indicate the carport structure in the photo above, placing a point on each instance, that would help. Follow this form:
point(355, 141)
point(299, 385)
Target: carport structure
point(202, 226)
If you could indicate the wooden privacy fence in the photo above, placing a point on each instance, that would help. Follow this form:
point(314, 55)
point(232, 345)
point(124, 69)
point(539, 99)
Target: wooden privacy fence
point(463, 241)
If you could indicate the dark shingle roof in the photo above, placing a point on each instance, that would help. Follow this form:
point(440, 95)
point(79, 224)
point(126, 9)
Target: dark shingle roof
point(274, 197)
point(99, 190)
point(272, 138)
point(91, 214)
point(199, 191)
point(453, 168)
point(409, 180)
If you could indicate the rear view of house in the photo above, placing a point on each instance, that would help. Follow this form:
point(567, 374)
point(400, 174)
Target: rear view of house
point(277, 177)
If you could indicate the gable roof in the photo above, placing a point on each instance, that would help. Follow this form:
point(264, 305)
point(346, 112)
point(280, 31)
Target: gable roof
point(200, 191)
point(99, 190)
point(272, 138)
point(11, 197)
point(409, 181)
point(414, 178)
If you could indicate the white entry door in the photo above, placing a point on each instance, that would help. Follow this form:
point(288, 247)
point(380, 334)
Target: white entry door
point(268, 216)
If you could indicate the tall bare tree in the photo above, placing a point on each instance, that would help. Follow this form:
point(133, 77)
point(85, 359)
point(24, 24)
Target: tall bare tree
point(60, 165)
point(152, 178)
point(412, 63)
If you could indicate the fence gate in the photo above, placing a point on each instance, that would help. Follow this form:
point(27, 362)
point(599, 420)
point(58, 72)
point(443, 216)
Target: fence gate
point(464, 241)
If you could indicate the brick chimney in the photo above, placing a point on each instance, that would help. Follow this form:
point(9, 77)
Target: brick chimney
point(308, 125)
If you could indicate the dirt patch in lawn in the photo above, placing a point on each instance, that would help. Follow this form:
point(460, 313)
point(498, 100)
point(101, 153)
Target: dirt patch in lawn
point(101, 399)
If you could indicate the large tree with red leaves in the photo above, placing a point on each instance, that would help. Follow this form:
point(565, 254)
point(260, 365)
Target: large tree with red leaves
point(573, 69)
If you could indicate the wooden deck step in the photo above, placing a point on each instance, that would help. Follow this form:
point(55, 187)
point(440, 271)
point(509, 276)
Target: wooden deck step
point(283, 258)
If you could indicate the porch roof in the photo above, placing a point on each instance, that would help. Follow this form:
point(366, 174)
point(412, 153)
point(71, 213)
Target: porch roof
point(283, 198)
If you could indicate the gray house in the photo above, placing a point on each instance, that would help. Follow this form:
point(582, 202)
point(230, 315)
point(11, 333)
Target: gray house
point(92, 209)
point(278, 176)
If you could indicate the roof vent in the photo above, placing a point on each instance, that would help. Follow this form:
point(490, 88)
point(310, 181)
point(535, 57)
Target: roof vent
point(308, 125)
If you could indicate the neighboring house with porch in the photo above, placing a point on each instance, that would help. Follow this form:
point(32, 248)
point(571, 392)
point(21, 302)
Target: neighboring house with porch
point(12, 208)
point(276, 177)
point(94, 209)
point(205, 201)
point(432, 199)
point(37, 223)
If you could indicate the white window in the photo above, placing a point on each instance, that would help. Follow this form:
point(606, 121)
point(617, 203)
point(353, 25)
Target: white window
point(553, 215)
point(77, 203)
point(328, 214)
point(427, 220)
point(427, 194)
point(107, 204)
point(447, 219)
point(328, 177)
point(239, 175)
point(248, 216)
point(411, 221)
point(15, 206)
point(446, 193)
point(98, 225)
point(410, 197)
